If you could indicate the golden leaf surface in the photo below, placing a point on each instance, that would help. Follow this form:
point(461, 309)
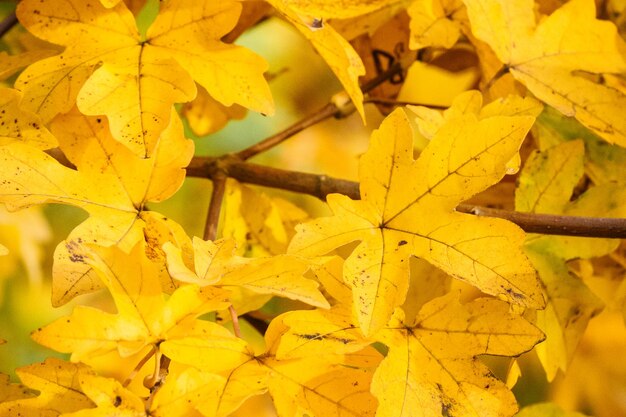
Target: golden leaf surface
point(432, 23)
point(21, 126)
point(110, 182)
point(179, 396)
point(432, 369)
point(143, 317)
point(207, 115)
point(546, 185)
point(561, 59)
point(11, 392)
point(407, 209)
point(215, 264)
point(59, 390)
point(105, 62)
point(261, 225)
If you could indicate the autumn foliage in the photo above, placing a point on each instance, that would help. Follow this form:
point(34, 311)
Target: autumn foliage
point(414, 277)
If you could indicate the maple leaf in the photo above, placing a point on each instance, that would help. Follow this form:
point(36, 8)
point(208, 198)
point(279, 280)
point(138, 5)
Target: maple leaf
point(261, 225)
point(603, 162)
point(106, 62)
point(328, 9)
point(216, 265)
point(545, 186)
point(407, 209)
point(111, 183)
point(301, 386)
point(432, 23)
point(59, 390)
point(11, 392)
point(19, 125)
point(143, 318)
point(334, 49)
point(10, 64)
point(432, 365)
point(558, 59)
point(206, 115)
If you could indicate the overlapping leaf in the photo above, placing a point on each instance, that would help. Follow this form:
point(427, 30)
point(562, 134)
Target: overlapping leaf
point(144, 318)
point(111, 183)
point(407, 209)
point(21, 126)
point(59, 391)
point(561, 59)
point(431, 23)
point(301, 386)
point(216, 265)
point(336, 51)
point(106, 63)
point(432, 366)
point(545, 186)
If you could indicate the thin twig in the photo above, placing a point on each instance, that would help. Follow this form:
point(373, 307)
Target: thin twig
point(321, 185)
point(329, 110)
point(215, 206)
point(392, 102)
point(7, 24)
point(321, 114)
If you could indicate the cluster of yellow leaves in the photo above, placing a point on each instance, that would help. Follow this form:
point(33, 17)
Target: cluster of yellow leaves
point(94, 125)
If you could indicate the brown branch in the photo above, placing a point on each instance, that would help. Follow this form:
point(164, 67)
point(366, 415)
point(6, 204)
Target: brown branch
point(392, 102)
point(330, 109)
point(7, 24)
point(215, 206)
point(321, 185)
point(321, 114)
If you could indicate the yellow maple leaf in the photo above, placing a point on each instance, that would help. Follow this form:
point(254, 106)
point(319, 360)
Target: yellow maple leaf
point(19, 125)
point(558, 58)
point(311, 385)
point(216, 265)
point(144, 318)
point(10, 64)
point(261, 225)
point(106, 62)
point(432, 364)
point(11, 392)
point(545, 186)
point(432, 23)
point(334, 49)
point(329, 9)
point(407, 209)
point(59, 390)
point(207, 115)
point(111, 183)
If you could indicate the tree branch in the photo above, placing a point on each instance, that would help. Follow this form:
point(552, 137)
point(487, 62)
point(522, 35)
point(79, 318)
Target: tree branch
point(7, 23)
point(215, 206)
point(330, 109)
point(324, 113)
point(321, 185)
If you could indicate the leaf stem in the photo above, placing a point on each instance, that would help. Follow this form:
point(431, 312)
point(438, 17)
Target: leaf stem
point(139, 365)
point(7, 24)
point(235, 318)
point(321, 185)
point(215, 206)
